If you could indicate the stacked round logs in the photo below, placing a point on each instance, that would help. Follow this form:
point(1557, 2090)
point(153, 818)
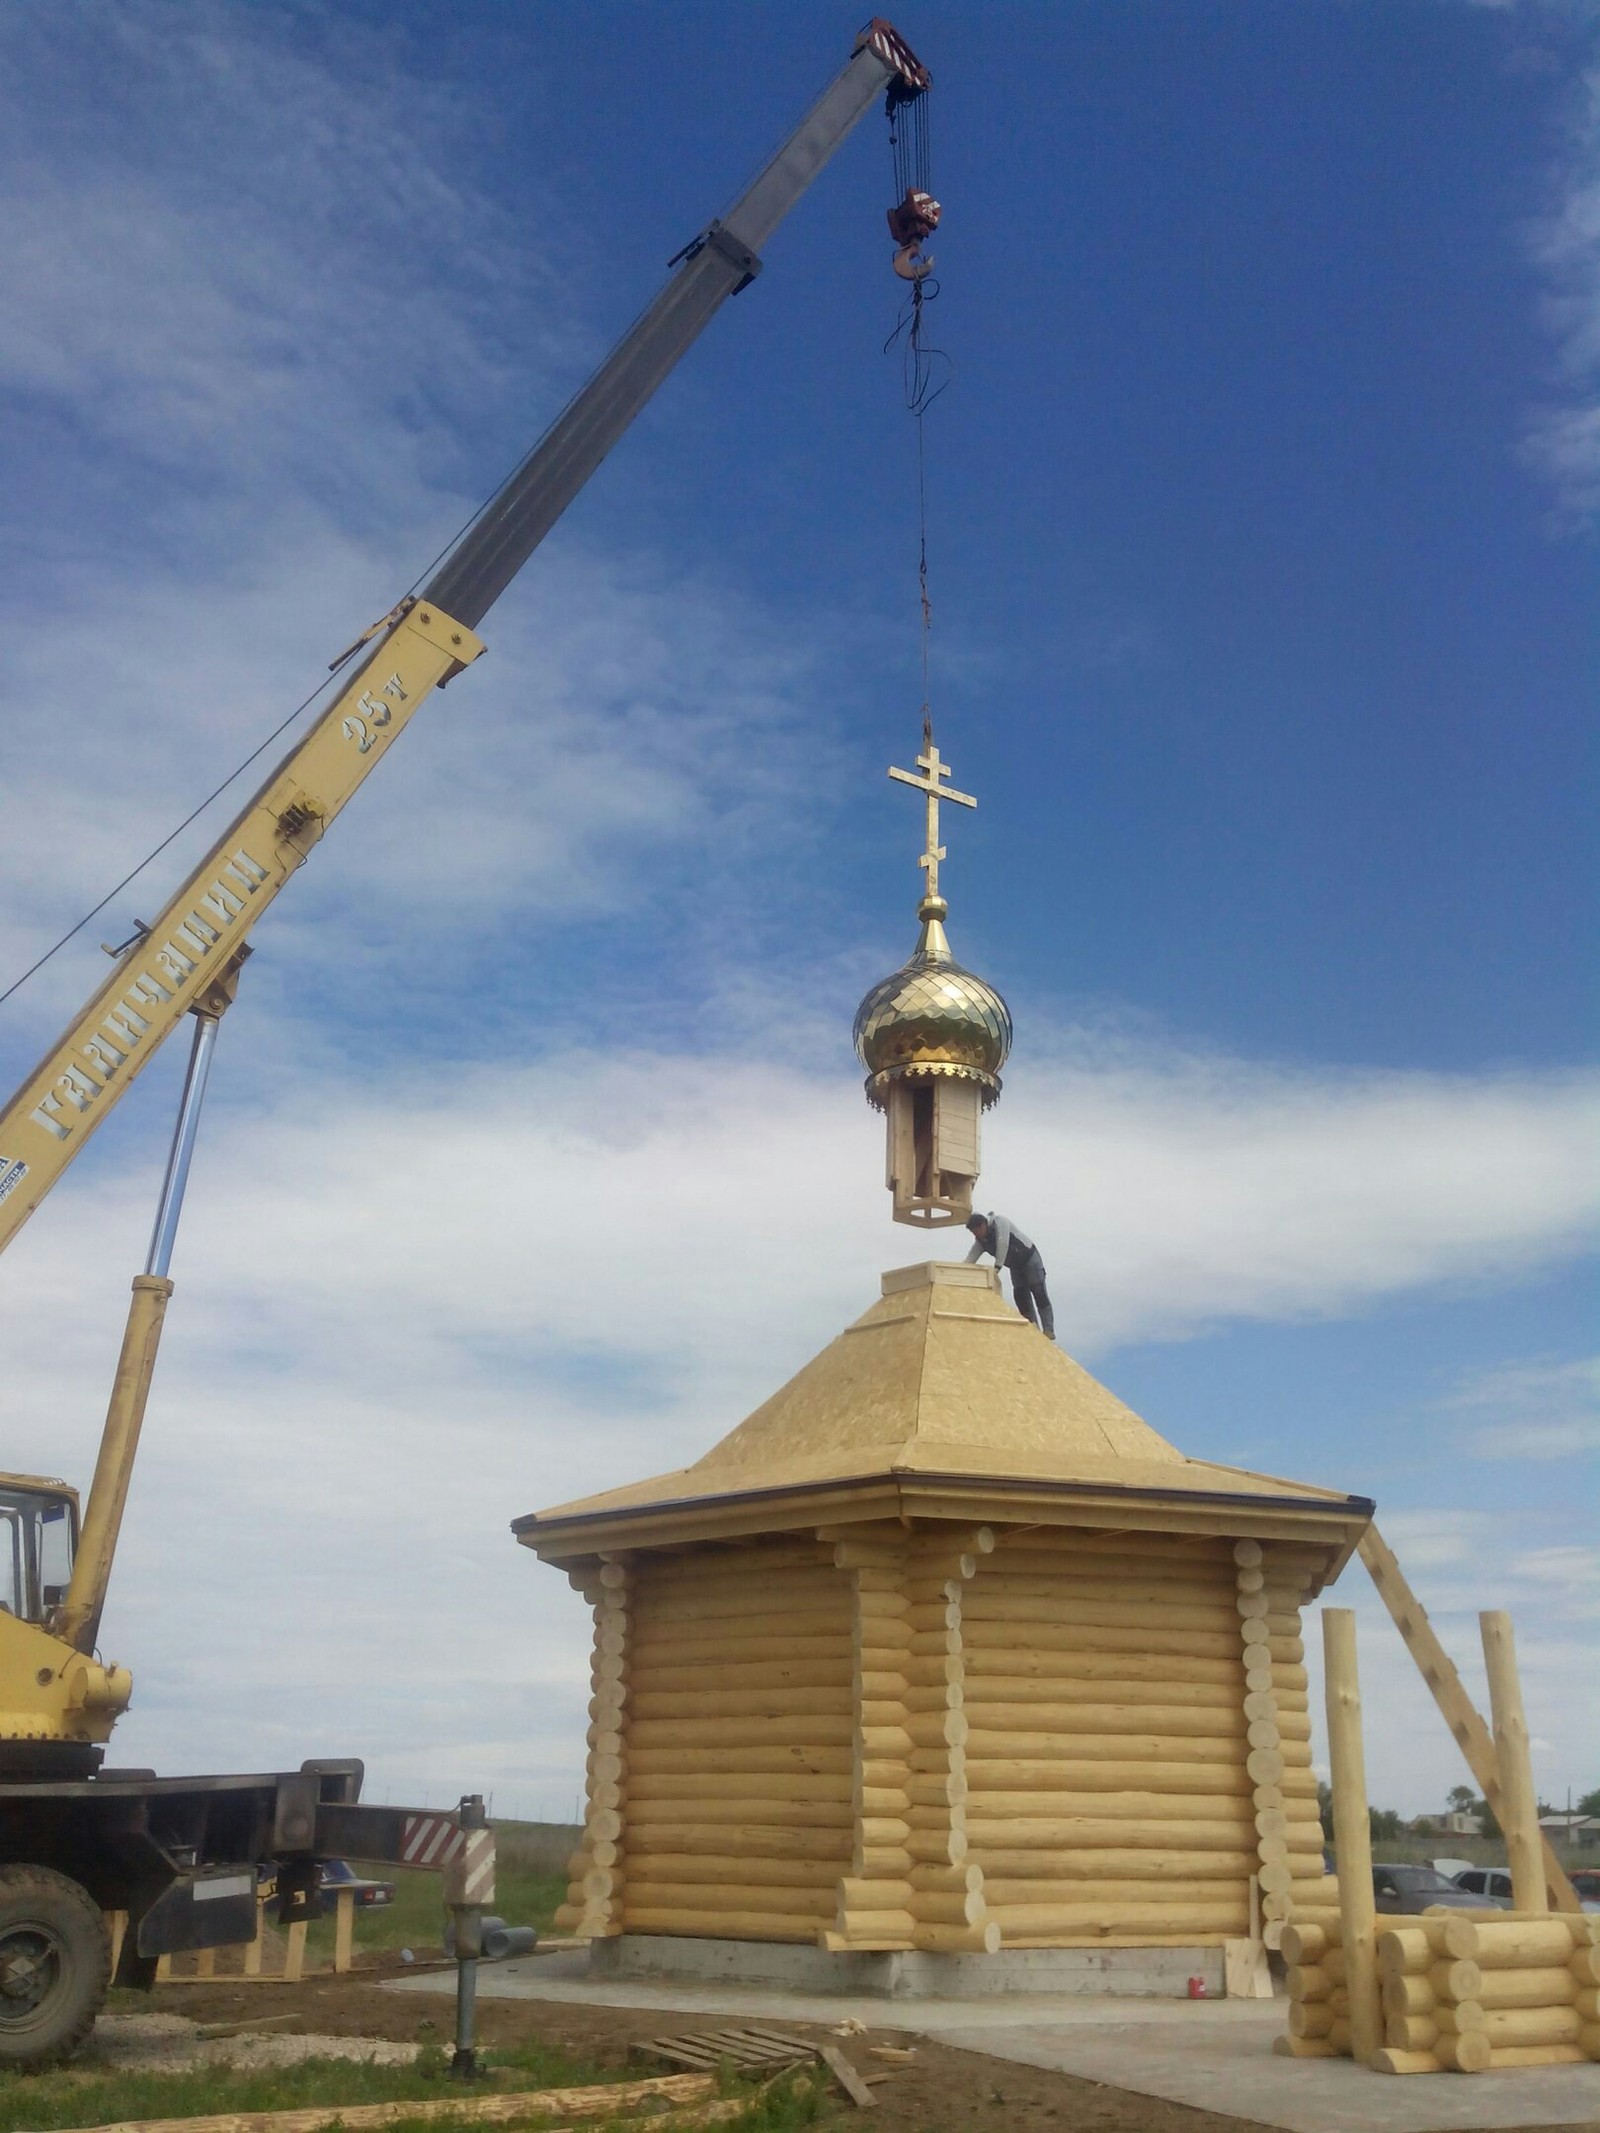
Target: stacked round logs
point(1107, 1747)
point(1318, 2025)
point(947, 1896)
point(1464, 1992)
point(1270, 1584)
point(1493, 1989)
point(873, 1901)
point(593, 1907)
point(740, 1742)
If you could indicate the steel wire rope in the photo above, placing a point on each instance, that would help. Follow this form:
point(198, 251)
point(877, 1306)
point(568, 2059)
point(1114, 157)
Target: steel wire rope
point(926, 371)
point(241, 767)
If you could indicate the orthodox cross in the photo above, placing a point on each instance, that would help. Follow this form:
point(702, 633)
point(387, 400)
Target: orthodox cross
point(934, 769)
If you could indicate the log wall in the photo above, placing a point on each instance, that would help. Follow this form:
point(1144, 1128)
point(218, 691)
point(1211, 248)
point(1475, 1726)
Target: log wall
point(1110, 1799)
point(741, 1740)
point(880, 1737)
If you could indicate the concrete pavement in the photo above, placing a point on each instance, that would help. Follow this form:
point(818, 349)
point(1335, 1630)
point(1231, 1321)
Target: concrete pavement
point(1215, 2054)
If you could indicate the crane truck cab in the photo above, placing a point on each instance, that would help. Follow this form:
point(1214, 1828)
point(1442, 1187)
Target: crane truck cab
point(57, 1704)
point(38, 1539)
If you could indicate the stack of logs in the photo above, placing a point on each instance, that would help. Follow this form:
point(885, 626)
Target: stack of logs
point(594, 1898)
point(948, 1895)
point(1464, 1992)
point(1277, 1710)
point(911, 1883)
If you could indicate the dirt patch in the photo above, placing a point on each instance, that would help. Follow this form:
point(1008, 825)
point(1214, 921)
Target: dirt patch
point(941, 2091)
point(162, 2043)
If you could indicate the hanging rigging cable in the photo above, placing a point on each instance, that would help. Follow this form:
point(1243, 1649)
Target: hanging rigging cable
point(925, 369)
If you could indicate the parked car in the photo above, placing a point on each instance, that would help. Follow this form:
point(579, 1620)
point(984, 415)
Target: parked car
point(1493, 1884)
point(339, 1874)
point(334, 1875)
point(1490, 1884)
point(1410, 1890)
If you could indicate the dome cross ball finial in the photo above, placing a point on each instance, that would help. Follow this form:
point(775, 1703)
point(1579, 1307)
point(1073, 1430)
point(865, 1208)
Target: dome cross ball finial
point(933, 1038)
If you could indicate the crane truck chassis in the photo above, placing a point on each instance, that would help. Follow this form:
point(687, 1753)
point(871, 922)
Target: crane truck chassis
point(179, 1856)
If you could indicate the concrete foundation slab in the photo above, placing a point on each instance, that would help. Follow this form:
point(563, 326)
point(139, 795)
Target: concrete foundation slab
point(1129, 1973)
point(1215, 2054)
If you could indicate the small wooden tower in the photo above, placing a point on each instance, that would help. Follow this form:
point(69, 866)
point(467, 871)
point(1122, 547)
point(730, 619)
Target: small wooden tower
point(943, 1649)
point(933, 1038)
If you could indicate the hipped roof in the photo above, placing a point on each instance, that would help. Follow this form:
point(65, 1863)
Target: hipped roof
point(941, 1401)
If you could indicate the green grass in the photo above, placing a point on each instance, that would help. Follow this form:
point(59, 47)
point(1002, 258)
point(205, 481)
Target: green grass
point(530, 1881)
point(38, 2103)
point(44, 2103)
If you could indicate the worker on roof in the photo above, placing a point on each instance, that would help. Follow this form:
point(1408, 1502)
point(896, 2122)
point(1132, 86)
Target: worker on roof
point(1019, 1255)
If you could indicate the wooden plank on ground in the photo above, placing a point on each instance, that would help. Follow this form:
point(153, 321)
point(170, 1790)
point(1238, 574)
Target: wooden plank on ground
point(747, 2048)
point(846, 2076)
point(593, 2100)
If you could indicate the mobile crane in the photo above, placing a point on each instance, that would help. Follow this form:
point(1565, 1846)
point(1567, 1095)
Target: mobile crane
point(178, 1856)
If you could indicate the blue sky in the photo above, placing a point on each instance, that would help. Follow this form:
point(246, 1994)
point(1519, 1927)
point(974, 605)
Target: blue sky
point(1262, 539)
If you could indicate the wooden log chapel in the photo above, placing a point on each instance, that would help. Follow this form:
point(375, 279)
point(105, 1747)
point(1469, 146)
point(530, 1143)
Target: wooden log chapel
point(945, 1649)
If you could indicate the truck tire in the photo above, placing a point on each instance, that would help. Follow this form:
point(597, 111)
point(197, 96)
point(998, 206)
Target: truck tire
point(55, 1966)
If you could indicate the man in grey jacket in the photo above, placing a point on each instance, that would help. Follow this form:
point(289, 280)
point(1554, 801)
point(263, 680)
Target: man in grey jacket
point(1019, 1255)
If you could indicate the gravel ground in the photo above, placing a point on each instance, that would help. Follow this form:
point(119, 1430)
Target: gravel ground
point(172, 2043)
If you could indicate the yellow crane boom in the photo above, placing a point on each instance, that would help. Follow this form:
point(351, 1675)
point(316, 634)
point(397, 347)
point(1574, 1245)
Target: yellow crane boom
point(158, 979)
point(422, 644)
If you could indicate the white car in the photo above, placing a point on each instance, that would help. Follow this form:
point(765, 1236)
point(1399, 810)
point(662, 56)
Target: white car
point(1493, 1884)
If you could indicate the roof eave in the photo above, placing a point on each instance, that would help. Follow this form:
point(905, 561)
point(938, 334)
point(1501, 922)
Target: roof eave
point(1338, 1521)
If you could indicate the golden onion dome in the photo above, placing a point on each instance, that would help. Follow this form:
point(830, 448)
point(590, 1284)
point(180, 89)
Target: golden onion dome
point(932, 1017)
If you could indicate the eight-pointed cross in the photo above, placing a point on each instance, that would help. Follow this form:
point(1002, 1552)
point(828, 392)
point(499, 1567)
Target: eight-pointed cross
point(935, 767)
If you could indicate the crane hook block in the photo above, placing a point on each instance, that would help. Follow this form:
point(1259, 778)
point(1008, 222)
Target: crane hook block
point(916, 217)
point(910, 224)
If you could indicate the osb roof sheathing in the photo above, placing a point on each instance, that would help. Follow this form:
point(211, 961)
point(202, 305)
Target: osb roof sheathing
point(941, 1400)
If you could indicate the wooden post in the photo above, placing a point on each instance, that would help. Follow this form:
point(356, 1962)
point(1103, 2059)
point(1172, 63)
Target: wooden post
point(252, 1954)
point(1518, 1811)
point(1472, 1735)
point(1352, 1834)
point(116, 1934)
point(344, 1929)
point(294, 1954)
point(205, 1962)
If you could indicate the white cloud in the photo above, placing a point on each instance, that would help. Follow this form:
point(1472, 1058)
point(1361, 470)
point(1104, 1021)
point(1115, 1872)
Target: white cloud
point(230, 262)
point(1541, 1410)
point(416, 1299)
point(1563, 436)
point(408, 1311)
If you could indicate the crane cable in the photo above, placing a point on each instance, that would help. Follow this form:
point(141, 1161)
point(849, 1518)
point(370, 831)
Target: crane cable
point(925, 369)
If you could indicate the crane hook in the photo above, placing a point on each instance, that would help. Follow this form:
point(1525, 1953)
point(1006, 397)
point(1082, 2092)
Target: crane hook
point(909, 263)
point(910, 225)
